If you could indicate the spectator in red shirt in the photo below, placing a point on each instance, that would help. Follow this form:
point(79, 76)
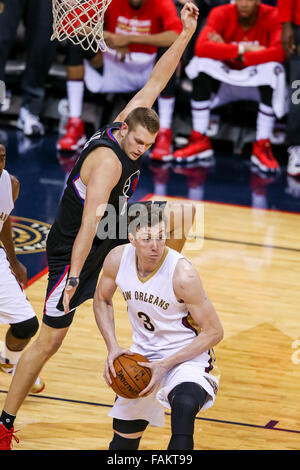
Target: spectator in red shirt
point(134, 30)
point(289, 14)
point(238, 42)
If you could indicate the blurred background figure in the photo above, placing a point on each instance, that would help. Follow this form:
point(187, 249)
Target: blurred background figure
point(240, 46)
point(289, 13)
point(37, 17)
point(134, 30)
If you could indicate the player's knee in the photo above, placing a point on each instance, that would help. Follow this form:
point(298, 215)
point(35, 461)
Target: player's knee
point(186, 399)
point(25, 329)
point(127, 434)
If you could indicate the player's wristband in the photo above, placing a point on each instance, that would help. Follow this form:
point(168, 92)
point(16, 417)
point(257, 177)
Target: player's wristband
point(73, 281)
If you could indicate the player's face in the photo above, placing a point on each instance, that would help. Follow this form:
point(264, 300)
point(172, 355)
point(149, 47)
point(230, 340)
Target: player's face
point(2, 158)
point(137, 141)
point(136, 3)
point(150, 244)
point(246, 8)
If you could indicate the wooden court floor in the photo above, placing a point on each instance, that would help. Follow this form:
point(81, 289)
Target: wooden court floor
point(249, 263)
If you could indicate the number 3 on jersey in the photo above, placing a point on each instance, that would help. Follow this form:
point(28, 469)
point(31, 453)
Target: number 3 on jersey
point(146, 321)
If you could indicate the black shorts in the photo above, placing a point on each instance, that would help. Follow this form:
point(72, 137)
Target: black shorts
point(53, 314)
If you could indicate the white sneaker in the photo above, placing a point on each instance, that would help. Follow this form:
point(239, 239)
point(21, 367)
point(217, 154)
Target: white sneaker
point(293, 167)
point(29, 123)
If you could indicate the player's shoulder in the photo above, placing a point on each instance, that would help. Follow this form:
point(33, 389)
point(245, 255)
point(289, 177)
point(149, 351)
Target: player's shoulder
point(15, 186)
point(185, 273)
point(268, 13)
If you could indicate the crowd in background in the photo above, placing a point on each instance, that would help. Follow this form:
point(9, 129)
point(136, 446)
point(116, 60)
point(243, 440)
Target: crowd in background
point(241, 49)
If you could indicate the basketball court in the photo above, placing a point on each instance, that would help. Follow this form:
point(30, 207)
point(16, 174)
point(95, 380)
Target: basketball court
point(245, 245)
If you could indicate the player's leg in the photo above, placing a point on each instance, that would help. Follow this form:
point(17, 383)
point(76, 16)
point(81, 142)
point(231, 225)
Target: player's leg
point(127, 434)
point(17, 337)
point(75, 133)
point(10, 17)
point(199, 144)
point(186, 399)
point(262, 155)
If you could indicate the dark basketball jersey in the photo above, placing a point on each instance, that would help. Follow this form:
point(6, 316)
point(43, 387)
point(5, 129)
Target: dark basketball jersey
point(68, 219)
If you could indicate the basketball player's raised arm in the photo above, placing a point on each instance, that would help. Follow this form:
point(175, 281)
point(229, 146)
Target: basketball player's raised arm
point(166, 66)
point(188, 289)
point(104, 310)
point(102, 174)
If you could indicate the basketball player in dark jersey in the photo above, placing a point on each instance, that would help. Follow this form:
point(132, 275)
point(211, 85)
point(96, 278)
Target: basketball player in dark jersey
point(107, 168)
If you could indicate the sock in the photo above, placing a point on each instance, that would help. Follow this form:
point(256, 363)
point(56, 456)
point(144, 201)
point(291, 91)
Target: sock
point(10, 357)
point(165, 110)
point(265, 122)
point(200, 115)
point(7, 420)
point(75, 91)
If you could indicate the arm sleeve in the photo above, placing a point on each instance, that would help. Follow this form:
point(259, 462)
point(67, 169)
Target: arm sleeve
point(216, 22)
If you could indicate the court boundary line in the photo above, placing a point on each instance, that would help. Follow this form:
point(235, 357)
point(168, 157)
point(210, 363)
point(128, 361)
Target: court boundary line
point(269, 426)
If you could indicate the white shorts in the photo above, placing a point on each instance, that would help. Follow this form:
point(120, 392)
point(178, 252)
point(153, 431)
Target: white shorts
point(151, 407)
point(14, 306)
point(119, 77)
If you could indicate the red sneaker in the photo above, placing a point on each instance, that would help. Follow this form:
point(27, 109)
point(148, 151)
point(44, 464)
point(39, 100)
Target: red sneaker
point(6, 436)
point(74, 136)
point(262, 156)
point(163, 146)
point(199, 146)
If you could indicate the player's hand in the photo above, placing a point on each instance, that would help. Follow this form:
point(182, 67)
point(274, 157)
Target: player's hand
point(189, 17)
point(70, 289)
point(288, 38)
point(109, 363)
point(253, 48)
point(158, 369)
point(20, 272)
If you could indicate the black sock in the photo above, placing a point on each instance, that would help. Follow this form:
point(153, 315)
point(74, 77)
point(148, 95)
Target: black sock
point(7, 420)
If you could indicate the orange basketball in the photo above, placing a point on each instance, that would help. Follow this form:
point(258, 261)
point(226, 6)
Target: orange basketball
point(131, 378)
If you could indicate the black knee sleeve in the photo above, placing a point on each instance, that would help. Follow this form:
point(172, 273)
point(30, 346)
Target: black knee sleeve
point(122, 443)
point(25, 329)
point(185, 399)
point(127, 427)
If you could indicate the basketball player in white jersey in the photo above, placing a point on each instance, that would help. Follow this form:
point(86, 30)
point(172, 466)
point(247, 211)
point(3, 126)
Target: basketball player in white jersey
point(15, 309)
point(162, 290)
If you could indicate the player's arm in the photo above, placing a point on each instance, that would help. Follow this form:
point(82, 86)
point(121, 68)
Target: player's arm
point(6, 238)
point(189, 290)
point(104, 310)
point(103, 174)
point(166, 66)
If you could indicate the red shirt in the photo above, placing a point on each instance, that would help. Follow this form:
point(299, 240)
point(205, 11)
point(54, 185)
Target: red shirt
point(265, 32)
point(289, 11)
point(153, 17)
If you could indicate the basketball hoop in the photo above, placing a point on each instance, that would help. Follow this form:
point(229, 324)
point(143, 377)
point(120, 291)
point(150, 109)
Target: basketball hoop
point(80, 21)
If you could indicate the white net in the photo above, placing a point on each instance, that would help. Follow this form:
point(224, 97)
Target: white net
point(80, 21)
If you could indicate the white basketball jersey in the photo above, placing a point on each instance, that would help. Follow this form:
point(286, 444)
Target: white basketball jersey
point(6, 198)
point(160, 323)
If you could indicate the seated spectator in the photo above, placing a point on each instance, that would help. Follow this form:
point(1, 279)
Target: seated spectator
point(289, 14)
point(240, 48)
point(37, 16)
point(134, 30)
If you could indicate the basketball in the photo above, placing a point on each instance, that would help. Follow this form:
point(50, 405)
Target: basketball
point(131, 378)
point(80, 15)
